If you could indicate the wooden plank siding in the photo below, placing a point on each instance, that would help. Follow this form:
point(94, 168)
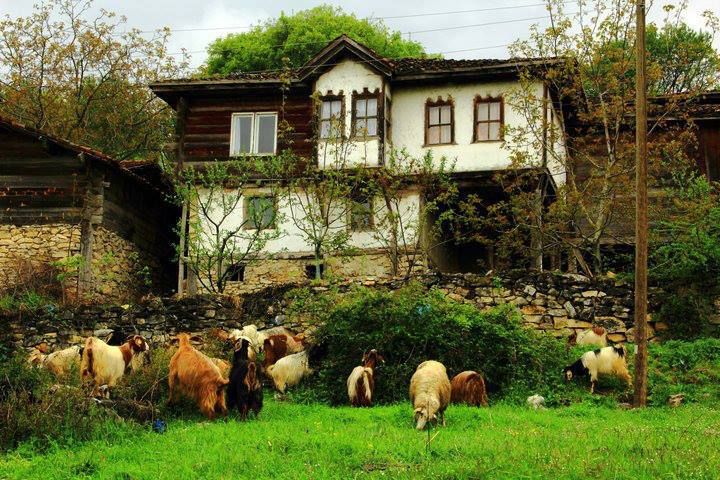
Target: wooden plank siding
point(37, 184)
point(207, 125)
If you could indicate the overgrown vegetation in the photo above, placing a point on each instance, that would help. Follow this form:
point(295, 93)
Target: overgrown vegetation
point(315, 441)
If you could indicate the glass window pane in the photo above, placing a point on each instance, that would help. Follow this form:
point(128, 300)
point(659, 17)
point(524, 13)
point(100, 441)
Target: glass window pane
point(326, 107)
point(445, 134)
point(372, 126)
point(445, 114)
point(482, 133)
point(360, 107)
point(336, 107)
point(482, 111)
point(261, 212)
point(494, 110)
point(434, 115)
point(433, 135)
point(360, 127)
point(494, 133)
point(242, 134)
point(372, 107)
point(325, 129)
point(266, 133)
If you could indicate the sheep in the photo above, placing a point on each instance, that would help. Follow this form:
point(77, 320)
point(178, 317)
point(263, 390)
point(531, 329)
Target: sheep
point(251, 332)
point(429, 393)
point(469, 387)
point(60, 362)
point(245, 390)
point(603, 361)
point(361, 382)
point(105, 364)
point(289, 370)
point(195, 375)
point(593, 336)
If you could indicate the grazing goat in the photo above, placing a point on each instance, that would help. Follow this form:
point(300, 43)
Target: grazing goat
point(429, 393)
point(593, 336)
point(279, 346)
point(245, 390)
point(603, 361)
point(469, 387)
point(194, 374)
point(105, 364)
point(59, 363)
point(361, 382)
point(289, 370)
point(250, 332)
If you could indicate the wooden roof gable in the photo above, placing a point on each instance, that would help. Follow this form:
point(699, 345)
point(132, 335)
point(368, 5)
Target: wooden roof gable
point(340, 48)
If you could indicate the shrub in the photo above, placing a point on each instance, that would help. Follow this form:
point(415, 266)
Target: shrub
point(33, 407)
point(686, 313)
point(411, 325)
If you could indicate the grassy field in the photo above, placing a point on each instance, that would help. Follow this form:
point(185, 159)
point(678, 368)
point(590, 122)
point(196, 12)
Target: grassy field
point(313, 441)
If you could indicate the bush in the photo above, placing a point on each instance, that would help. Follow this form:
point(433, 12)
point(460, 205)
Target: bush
point(690, 368)
point(33, 407)
point(412, 325)
point(687, 314)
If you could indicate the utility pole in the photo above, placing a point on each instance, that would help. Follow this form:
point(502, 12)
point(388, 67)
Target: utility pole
point(641, 208)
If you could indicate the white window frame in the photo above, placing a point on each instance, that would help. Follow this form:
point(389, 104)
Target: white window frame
point(254, 132)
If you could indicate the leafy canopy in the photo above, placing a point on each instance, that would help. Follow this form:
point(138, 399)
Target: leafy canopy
point(298, 37)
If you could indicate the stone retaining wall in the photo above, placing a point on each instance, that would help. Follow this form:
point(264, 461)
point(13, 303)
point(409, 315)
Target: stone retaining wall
point(554, 303)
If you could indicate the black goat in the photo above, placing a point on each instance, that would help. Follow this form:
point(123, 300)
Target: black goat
point(245, 389)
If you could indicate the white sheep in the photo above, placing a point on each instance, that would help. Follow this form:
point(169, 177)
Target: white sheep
point(60, 362)
point(289, 370)
point(603, 361)
point(429, 393)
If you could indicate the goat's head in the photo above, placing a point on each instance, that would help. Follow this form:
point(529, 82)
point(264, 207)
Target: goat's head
point(372, 358)
point(138, 344)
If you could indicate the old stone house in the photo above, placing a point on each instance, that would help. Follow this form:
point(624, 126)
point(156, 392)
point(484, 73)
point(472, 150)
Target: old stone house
point(455, 109)
point(109, 224)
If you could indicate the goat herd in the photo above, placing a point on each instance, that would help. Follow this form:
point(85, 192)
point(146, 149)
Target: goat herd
point(215, 385)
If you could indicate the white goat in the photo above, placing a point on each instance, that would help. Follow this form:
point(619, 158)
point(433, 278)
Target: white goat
point(429, 393)
point(289, 370)
point(603, 361)
point(593, 336)
point(105, 364)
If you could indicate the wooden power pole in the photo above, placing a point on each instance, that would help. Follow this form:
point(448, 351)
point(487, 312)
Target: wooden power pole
point(641, 208)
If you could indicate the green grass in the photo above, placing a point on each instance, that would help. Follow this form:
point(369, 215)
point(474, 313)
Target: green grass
point(314, 441)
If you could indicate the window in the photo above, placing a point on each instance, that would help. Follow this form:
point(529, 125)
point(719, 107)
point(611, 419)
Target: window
point(387, 115)
point(236, 273)
point(488, 119)
point(361, 214)
point(365, 116)
point(253, 133)
point(439, 128)
point(331, 117)
point(259, 213)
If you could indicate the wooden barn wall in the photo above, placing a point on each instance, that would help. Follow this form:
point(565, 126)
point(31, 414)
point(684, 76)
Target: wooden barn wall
point(38, 186)
point(709, 148)
point(141, 215)
point(207, 127)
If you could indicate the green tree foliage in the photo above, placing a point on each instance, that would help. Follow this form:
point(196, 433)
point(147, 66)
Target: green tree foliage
point(300, 36)
point(685, 58)
point(84, 77)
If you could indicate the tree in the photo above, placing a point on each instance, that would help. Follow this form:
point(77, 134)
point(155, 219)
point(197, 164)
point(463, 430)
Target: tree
point(407, 230)
point(84, 78)
point(592, 75)
point(216, 242)
point(298, 37)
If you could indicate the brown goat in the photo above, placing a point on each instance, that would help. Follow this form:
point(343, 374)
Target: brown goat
point(195, 375)
point(279, 346)
point(469, 387)
point(361, 382)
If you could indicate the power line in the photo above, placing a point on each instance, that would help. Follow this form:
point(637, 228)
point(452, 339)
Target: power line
point(390, 17)
point(441, 29)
